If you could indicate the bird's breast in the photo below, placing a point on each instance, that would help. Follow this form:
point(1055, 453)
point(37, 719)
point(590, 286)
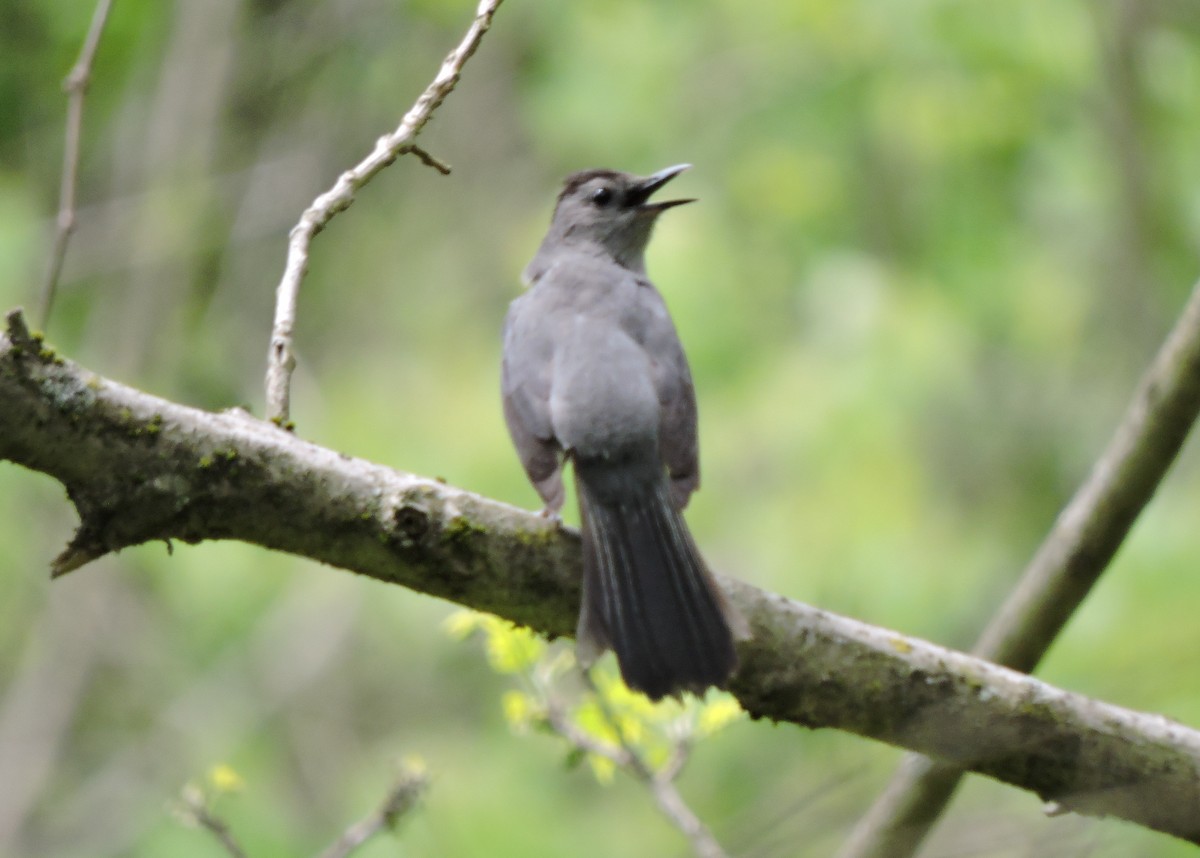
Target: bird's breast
point(602, 395)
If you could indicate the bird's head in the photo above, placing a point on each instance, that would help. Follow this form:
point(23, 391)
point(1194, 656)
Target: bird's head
point(612, 210)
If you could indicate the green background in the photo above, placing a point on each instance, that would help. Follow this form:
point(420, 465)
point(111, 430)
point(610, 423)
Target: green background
point(938, 242)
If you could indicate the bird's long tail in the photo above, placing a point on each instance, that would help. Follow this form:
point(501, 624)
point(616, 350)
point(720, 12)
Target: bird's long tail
point(647, 593)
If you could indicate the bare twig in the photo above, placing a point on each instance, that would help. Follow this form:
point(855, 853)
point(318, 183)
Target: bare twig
point(1074, 554)
point(430, 161)
point(194, 810)
point(281, 359)
point(404, 794)
point(633, 758)
point(557, 720)
point(680, 754)
point(661, 783)
point(141, 468)
point(75, 85)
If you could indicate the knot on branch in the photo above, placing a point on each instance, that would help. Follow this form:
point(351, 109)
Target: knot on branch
point(412, 524)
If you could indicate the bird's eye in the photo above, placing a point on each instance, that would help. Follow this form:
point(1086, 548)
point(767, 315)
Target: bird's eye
point(602, 196)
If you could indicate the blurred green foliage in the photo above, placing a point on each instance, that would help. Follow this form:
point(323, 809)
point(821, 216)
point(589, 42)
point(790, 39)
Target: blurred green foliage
point(938, 242)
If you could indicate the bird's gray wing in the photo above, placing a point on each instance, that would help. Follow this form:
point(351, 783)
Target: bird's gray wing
point(677, 438)
point(525, 378)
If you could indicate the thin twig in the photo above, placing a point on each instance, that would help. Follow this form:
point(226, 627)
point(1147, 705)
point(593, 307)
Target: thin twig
point(281, 359)
point(1069, 562)
point(633, 757)
point(430, 161)
point(402, 797)
point(557, 720)
point(662, 782)
point(221, 831)
point(75, 85)
point(194, 810)
point(680, 754)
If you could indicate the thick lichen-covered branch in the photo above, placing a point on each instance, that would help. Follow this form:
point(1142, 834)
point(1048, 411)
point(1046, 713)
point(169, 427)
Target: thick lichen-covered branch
point(141, 468)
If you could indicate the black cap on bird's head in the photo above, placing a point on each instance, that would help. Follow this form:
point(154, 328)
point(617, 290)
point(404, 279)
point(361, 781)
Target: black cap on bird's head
point(614, 192)
point(611, 211)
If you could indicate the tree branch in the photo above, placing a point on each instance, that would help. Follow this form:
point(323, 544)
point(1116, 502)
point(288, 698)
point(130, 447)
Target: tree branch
point(280, 359)
point(193, 810)
point(661, 783)
point(141, 468)
point(1069, 562)
point(411, 783)
point(625, 756)
point(75, 84)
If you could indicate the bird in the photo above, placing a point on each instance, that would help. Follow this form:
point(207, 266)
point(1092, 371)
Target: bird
point(594, 374)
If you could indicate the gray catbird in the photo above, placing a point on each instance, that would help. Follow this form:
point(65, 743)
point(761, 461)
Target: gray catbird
point(594, 373)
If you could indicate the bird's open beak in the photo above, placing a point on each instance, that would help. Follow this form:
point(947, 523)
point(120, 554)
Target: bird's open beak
point(652, 183)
